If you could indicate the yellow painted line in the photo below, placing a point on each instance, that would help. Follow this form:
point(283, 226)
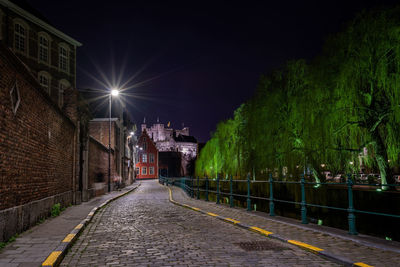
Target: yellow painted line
point(212, 214)
point(301, 244)
point(361, 264)
point(261, 231)
point(79, 226)
point(91, 213)
point(51, 259)
point(232, 220)
point(194, 208)
point(68, 238)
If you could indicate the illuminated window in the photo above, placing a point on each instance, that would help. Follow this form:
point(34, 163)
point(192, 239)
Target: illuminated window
point(144, 157)
point(43, 48)
point(19, 37)
point(151, 158)
point(63, 58)
point(151, 170)
point(44, 80)
point(144, 170)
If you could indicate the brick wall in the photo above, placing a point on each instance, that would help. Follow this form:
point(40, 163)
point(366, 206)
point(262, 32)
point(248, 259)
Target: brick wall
point(99, 130)
point(98, 165)
point(36, 143)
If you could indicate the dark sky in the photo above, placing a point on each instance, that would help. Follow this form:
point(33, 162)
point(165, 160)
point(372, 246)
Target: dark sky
point(205, 56)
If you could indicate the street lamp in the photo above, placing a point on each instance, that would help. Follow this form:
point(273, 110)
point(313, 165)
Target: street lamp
point(114, 92)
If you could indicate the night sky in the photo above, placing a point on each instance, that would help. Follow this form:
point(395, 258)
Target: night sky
point(192, 62)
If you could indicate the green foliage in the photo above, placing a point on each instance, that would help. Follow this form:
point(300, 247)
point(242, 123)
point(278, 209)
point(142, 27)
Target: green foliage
point(12, 239)
point(339, 113)
point(56, 210)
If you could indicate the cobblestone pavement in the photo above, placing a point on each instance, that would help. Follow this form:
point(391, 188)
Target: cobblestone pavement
point(33, 246)
point(145, 229)
point(380, 253)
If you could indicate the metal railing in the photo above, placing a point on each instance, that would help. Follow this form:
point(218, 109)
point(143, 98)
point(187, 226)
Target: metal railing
point(195, 187)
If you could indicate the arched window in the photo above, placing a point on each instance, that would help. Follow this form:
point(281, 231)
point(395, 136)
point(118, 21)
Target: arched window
point(44, 44)
point(63, 57)
point(63, 84)
point(20, 36)
point(45, 81)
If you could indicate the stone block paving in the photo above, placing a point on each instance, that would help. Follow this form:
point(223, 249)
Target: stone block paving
point(337, 242)
point(33, 246)
point(144, 229)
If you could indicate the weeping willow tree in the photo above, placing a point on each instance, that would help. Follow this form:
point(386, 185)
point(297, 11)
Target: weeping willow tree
point(339, 113)
point(367, 88)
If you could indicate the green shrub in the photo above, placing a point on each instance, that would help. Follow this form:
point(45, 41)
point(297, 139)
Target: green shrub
point(56, 210)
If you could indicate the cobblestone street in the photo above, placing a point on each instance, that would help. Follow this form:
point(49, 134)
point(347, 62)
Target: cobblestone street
point(145, 229)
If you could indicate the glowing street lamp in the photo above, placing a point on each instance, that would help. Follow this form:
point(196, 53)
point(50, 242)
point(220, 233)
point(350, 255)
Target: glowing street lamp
point(114, 92)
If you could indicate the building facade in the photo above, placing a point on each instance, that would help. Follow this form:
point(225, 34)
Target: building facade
point(49, 53)
point(147, 158)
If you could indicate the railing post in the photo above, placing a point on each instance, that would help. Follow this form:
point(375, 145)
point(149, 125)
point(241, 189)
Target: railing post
point(351, 217)
point(198, 189)
point(231, 192)
point(248, 193)
point(191, 187)
point(218, 195)
point(271, 196)
point(206, 188)
point(303, 201)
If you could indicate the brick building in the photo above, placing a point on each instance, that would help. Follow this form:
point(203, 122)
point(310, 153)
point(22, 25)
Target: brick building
point(98, 160)
point(147, 162)
point(49, 53)
point(43, 130)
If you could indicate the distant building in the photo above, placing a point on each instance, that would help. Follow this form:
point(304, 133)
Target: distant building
point(147, 162)
point(171, 140)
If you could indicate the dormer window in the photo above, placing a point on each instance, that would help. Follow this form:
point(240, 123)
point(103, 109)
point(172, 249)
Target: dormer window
point(19, 37)
point(63, 58)
point(43, 49)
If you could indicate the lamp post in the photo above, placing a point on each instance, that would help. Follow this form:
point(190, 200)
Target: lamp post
point(114, 92)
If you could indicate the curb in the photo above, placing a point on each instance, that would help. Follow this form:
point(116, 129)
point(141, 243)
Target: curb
point(305, 246)
point(55, 257)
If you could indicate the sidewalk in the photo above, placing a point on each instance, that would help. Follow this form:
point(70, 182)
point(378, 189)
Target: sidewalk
point(32, 247)
point(334, 243)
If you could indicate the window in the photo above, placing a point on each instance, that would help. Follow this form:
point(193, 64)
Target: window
point(63, 58)
point(137, 170)
point(151, 158)
point(44, 80)
point(144, 170)
point(144, 139)
point(64, 84)
point(19, 37)
point(151, 170)
point(144, 157)
point(144, 146)
point(43, 48)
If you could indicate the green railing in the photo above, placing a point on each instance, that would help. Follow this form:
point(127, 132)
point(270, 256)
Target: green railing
point(197, 187)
